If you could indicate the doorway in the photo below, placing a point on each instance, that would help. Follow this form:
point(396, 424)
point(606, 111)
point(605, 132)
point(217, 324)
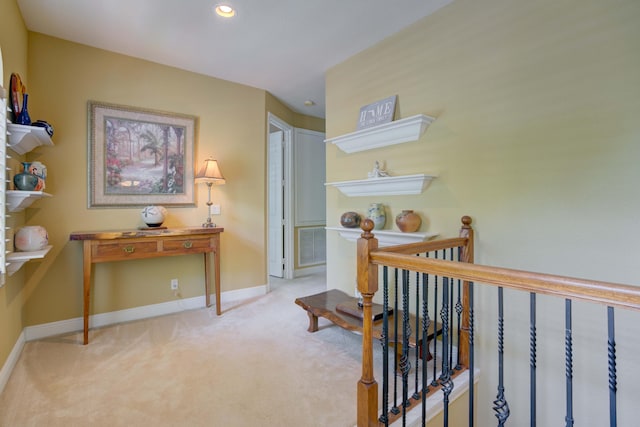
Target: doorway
point(279, 194)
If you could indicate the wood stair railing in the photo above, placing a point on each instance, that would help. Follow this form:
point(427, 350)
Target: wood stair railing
point(402, 257)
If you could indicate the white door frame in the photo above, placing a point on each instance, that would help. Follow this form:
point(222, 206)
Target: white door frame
point(273, 120)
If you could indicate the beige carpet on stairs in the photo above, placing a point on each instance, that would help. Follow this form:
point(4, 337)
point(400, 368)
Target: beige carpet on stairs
point(256, 365)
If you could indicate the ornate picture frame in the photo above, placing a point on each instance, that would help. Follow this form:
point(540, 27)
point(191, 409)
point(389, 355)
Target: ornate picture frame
point(139, 157)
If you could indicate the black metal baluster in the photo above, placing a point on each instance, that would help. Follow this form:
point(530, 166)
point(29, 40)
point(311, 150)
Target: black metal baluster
point(568, 349)
point(471, 359)
point(434, 382)
point(425, 348)
point(500, 405)
point(459, 313)
point(532, 357)
point(445, 377)
point(416, 393)
point(405, 363)
point(395, 409)
point(451, 306)
point(613, 381)
point(384, 340)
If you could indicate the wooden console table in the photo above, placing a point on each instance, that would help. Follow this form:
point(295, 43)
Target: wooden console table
point(121, 245)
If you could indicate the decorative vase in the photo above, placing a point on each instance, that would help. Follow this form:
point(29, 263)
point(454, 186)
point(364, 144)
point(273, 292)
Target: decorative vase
point(350, 220)
point(377, 214)
point(153, 216)
point(408, 221)
point(31, 238)
point(25, 181)
point(23, 117)
point(40, 170)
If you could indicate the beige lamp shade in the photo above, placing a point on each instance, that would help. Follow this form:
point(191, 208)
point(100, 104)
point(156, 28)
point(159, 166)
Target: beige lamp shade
point(210, 173)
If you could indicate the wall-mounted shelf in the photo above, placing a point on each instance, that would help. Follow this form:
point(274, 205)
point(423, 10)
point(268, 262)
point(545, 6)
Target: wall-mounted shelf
point(15, 260)
point(22, 138)
point(385, 237)
point(385, 186)
point(18, 200)
point(396, 132)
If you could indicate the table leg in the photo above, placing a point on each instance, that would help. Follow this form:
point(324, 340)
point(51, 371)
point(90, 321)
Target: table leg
point(216, 273)
point(207, 285)
point(313, 322)
point(86, 282)
point(207, 280)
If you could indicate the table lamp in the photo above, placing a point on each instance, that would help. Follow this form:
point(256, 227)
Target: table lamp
point(210, 174)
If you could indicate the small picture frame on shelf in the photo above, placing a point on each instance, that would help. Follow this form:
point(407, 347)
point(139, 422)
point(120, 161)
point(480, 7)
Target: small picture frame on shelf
point(377, 113)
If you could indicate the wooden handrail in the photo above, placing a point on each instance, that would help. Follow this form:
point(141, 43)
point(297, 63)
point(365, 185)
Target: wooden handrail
point(422, 247)
point(403, 257)
point(610, 294)
point(367, 275)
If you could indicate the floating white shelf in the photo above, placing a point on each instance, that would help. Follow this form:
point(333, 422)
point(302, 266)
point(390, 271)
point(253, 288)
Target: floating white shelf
point(385, 237)
point(385, 186)
point(396, 132)
point(23, 139)
point(15, 260)
point(18, 200)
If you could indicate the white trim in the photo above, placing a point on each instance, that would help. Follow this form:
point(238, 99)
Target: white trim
point(11, 362)
point(288, 190)
point(396, 132)
point(23, 138)
point(384, 186)
point(385, 237)
point(143, 312)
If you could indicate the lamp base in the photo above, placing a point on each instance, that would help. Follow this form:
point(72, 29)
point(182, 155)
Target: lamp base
point(208, 223)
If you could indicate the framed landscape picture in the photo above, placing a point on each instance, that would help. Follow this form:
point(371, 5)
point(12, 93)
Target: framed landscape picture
point(140, 157)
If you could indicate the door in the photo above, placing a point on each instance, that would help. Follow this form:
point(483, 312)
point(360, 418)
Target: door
point(276, 204)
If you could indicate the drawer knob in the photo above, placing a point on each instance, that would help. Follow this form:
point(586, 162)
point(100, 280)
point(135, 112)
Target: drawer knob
point(188, 244)
point(129, 249)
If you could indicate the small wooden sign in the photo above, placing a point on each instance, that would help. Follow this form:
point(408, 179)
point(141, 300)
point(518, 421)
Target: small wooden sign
point(377, 113)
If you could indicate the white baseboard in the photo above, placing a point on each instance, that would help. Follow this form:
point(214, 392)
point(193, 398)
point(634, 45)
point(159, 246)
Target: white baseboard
point(143, 312)
point(8, 366)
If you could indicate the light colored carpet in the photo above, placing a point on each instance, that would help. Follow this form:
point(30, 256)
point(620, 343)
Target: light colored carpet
point(256, 365)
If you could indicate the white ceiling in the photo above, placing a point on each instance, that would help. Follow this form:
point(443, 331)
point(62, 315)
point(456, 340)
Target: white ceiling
point(282, 46)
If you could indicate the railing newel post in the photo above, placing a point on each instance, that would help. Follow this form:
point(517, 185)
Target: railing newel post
point(367, 410)
point(465, 255)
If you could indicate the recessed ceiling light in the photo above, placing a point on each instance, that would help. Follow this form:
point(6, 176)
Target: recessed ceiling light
point(309, 103)
point(225, 11)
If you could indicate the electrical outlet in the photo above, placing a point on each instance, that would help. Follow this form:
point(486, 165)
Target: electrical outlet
point(215, 209)
point(174, 284)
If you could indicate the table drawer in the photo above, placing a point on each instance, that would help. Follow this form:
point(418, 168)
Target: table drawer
point(187, 244)
point(124, 249)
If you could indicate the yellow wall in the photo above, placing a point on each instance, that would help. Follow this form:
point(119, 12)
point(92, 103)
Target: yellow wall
point(294, 119)
point(13, 40)
point(61, 77)
point(536, 137)
point(64, 76)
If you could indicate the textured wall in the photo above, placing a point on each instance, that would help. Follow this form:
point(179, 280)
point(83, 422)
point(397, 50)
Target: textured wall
point(535, 138)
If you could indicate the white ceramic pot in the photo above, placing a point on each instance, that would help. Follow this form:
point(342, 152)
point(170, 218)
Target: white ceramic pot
point(31, 238)
point(153, 216)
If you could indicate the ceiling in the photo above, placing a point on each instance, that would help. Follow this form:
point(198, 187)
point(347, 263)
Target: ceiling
point(282, 46)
